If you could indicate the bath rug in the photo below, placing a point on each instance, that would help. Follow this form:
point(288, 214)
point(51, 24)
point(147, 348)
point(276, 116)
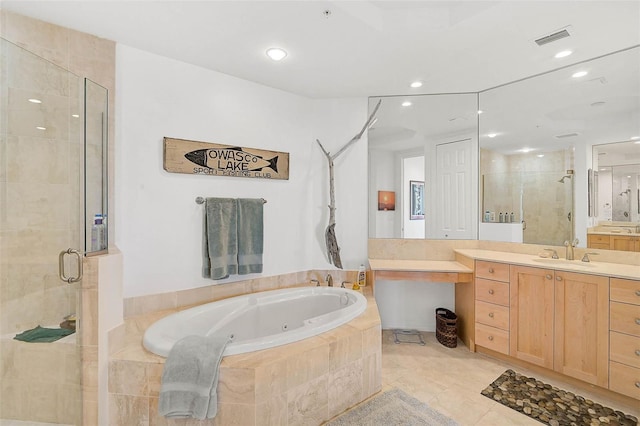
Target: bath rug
point(393, 407)
point(550, 405)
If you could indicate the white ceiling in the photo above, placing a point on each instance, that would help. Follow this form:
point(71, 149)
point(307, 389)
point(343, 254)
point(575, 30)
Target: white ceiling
point(364, 48)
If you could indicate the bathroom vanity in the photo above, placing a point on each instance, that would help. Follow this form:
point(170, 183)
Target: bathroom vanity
point(623, 236)
point(579, 319)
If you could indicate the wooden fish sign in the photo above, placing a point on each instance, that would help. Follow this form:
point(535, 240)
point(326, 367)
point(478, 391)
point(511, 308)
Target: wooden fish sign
point(203, 158)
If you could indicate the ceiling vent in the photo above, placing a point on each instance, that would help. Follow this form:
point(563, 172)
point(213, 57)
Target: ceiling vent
point(567, 135)
point(552, 37)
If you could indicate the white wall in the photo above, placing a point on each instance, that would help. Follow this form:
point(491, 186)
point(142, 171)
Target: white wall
point(160, 225)
point(413, 169)
point(412, 305)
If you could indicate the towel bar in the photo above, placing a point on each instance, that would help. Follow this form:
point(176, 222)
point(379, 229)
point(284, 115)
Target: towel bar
point(200, 200)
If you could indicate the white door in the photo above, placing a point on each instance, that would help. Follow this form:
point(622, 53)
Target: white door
point(454, 191)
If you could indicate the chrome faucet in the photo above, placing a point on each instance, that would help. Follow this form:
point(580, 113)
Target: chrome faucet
point(585, 258)
point(570, 246)
point(329, 280)
point(554, 253)
point(317, 282)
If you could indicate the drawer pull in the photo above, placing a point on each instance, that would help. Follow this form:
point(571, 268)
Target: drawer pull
point(558, 278)
point(490, 291)
point(638, 293)
point(637, 352)
point(491, 338)
point(638, 321)
point(490, 314)
point(638, 384)
point(491, 270)
point(548, 276)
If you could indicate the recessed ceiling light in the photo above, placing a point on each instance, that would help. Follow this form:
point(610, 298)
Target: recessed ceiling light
point(41, 128)
point(579, 74)
point(634, 138)
point(480, 111)
point(540, 155)
point(563, 54)
point(525, 150)
point(75, 115)
point(276, 53)
point(416, 84)
point(35, 101)
point(406, 104)
point(492, 135)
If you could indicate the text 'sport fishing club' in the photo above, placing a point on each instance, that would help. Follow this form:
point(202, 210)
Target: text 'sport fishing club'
point(232, 161)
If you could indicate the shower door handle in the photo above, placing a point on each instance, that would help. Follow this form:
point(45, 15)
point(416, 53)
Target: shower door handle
point(61, 268)
point(524, 225)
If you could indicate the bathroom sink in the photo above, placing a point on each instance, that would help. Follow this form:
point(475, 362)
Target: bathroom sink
point(549, 261)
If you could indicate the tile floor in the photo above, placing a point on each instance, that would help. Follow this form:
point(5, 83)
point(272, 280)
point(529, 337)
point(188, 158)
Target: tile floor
point(450, 380)
point(4, 422)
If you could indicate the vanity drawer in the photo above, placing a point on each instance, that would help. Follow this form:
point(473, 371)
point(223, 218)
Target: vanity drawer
point(492, 270)
point(624, 379)
point(624, 348)
point(493, 315)
point(625, 318)
point(492, 338)
point(627, 291)
point(492, 291)
point(597, 238)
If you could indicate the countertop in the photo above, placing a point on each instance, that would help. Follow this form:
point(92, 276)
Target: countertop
point(623, 233)
point(617, 270)
point(418, 265)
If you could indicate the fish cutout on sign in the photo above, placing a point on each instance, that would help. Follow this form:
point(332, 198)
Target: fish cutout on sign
point(234, 158)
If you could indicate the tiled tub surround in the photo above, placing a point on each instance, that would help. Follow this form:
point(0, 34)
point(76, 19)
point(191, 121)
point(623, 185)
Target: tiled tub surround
point(305, 382)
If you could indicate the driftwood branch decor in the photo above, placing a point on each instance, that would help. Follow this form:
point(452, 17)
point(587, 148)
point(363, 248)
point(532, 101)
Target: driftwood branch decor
point(333, 250)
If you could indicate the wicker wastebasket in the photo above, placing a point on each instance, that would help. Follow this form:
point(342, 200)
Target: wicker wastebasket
point(446, 327)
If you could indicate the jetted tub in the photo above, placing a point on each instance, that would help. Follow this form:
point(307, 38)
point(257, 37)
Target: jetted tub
point(259, 320)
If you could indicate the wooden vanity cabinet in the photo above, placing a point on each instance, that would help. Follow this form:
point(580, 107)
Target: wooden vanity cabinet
point(559, 320)
point(492, 306)
point(614, 242)
point(624, 335)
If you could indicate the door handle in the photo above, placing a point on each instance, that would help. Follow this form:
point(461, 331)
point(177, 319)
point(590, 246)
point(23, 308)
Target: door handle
point(61, 268)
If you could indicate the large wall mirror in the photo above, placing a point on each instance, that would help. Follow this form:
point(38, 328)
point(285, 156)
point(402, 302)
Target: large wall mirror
point(405, 142)
point(534, 141)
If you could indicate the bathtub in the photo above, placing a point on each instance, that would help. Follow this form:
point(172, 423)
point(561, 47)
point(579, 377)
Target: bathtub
point(260, 320)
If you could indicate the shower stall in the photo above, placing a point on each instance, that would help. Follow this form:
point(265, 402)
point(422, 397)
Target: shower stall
point(53, 140)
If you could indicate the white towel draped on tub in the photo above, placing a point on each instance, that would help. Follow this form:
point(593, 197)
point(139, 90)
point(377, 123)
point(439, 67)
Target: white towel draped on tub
point(190, 378)
point(233, 237)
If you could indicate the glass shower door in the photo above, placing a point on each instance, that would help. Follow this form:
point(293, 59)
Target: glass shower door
point(41, 215)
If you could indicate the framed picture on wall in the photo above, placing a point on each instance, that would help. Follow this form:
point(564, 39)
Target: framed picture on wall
point(416, 197)
point(386, 200)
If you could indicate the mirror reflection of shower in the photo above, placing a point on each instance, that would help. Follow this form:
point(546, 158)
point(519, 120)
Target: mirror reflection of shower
point(618, 197)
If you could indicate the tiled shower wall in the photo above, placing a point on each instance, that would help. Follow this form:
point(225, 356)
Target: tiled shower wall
point(545, 203)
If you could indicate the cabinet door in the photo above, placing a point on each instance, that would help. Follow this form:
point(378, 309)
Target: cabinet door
point(625, 243)
point(531, 315)
point(582, 327)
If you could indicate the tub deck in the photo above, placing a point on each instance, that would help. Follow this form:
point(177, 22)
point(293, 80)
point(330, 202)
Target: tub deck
point(305, 382)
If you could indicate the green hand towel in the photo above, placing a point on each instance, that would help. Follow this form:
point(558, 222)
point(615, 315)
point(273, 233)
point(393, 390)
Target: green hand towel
point(43, 335)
